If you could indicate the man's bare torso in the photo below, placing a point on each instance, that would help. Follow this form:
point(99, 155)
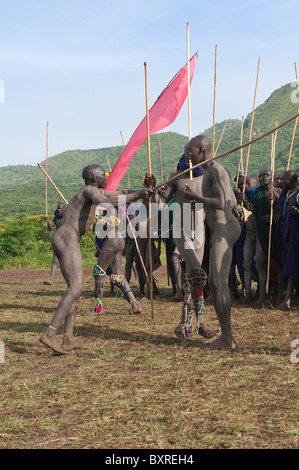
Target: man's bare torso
point(80, 212)
point(216, 180)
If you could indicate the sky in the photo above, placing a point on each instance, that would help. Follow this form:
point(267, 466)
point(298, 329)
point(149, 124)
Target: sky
point(80, 67)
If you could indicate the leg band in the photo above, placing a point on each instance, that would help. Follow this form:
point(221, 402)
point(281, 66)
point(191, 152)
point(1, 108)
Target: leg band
point(98, 271)
point(199, 313)
point(99, 278)
point(198, 277)
point(183, 330)
point(98, 307)
point(124, 295)
point(117, 279)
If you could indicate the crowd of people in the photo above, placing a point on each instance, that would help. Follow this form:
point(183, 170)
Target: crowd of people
point(250, 225)
point(268, 249)
point(254, 196)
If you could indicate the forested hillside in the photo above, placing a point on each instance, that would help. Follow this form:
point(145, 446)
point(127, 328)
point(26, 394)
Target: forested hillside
point(22, 188)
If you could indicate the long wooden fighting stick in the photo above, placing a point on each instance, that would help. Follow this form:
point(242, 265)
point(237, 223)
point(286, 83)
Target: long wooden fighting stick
point(251, 124)
point(241, 154)
point(189, 97)
point(108, 162)
point(295, 126)
point(271, 210)
point(149, 202)
point(161, 174)
point(214, 103)
point(53, 184)
point(224, 154)
point(189, 129)
point(221, 137)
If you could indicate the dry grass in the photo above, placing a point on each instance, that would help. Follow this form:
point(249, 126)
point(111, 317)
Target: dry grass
point(137, 386)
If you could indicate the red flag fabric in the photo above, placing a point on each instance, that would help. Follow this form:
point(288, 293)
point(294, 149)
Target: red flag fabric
point(162, 114)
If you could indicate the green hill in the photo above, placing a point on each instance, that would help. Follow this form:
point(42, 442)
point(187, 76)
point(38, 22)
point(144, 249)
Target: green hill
point(22, 188)
point(277, 108)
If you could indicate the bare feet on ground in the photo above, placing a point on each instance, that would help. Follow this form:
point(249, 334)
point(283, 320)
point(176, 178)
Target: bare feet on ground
point(284, 306)
point(222, 343)
point(51, 342)
point(206, 332)
point(135, 308)
point(69, 343)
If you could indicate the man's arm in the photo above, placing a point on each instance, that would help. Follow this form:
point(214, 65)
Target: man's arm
point(50, 226)
point(164, 195)
point(216, 202)
point(98, 196)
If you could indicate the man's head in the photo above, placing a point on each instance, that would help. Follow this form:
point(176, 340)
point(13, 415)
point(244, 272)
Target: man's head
point(265, 177)
point(94, 175)
point(60, 207)
point(251, 183)
point(240, 182)
point(278, 181)
point(290, 179)
point(198, 149)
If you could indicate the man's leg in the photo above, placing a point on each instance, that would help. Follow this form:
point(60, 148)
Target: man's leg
point(286, 303)
point(193, 260)
point(248, 251)
point(70, 260)
point(220, 262)
point(120, 281)
point(261, 267)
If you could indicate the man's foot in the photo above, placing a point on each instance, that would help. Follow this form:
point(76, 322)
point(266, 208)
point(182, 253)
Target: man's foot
point(51, 342)
point(135, 308)
point(206, 332)
point(182, 332)
point(222, 343)
point(284, 306)
point(48, 283)
point(258, 303)
point(69, 343)
point(246, 299)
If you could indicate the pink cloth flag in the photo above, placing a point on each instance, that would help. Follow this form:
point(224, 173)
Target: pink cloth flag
point(162, 114)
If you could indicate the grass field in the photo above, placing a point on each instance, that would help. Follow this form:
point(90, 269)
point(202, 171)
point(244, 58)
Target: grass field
point(136, 386)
